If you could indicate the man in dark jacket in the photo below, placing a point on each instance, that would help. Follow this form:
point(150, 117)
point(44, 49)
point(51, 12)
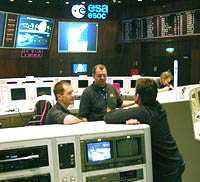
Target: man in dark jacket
point(168, 163)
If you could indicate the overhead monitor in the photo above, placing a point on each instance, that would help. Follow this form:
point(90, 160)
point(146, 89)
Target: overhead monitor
point(77, 37)
point(34, 32)
point(79, 68)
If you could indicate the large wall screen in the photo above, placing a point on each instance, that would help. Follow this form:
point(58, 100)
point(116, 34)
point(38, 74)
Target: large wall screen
point(176, 24)
point(34, 32)
point(77, 37)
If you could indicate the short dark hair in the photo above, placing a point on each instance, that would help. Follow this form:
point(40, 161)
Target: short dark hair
point(58, 88)
point(147, 90)
point(166, 75)
point(100, 66)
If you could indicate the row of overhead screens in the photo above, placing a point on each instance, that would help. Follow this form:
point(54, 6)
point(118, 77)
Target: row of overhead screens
point(76, 153)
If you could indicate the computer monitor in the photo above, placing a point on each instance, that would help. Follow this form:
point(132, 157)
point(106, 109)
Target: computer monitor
point(41, 90)
point(18, 96)
point(68, 81)
point(120, 82)
point(79, 68)
point(133, 83)
point(82, 83)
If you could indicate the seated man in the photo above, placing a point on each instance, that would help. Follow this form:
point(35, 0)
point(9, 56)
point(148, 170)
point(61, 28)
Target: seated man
point(163, 82)
point(99, 97)
point(59, 114)
point(168, 163)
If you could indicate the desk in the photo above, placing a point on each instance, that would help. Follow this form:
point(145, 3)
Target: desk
point(14, 119)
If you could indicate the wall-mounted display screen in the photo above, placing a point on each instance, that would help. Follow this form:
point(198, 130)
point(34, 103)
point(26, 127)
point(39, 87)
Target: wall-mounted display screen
point(176, 24)
point(99, 151)
point(80, 68)
point(2, 25)
point(34, 32)
point(77, 37)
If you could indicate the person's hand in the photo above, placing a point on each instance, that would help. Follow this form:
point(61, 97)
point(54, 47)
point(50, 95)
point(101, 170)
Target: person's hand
point(132, 122)
point(170, 87)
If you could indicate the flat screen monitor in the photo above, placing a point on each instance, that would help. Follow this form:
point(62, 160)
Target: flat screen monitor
point(34, 32)
point(99, 151)
point(82, 83)
point(133, 83)
point(2, 26)
point(18, 94)
point(128, 147)
point(78, 37)
point(120, 82)
point(43, 91)
point(79, 68)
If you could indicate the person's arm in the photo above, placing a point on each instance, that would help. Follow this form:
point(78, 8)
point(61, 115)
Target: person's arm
point(120, 116)
point(166, 88)
point(127, 103)
point(84, 119)
point(71, 119)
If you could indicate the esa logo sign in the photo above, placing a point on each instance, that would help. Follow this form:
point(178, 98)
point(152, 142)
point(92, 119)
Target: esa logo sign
point(91, 11)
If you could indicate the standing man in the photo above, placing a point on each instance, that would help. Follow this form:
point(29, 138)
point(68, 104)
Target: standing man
point(100, 97)
point(59, 114)
point(163, 82)
point(168, 163)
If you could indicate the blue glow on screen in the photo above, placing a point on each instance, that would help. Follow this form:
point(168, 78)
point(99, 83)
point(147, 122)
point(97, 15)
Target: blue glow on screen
point(2, 24)
point(98, 151)
point(34, 32)
point(77, 37)
point(80, 68)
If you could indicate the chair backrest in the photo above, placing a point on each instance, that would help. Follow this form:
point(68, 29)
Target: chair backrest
point(117, 87)
point(41, 109)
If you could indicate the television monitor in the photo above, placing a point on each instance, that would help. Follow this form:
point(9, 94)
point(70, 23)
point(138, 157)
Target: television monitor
point(18, 94)
point(79, 68)
point(82, 83)
point(120, 82)
point(2, 26)
point(107, 153)
point(128, 147)
point(34, 32)
point(77, 37)
point(43, 91)
point(99, 151)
